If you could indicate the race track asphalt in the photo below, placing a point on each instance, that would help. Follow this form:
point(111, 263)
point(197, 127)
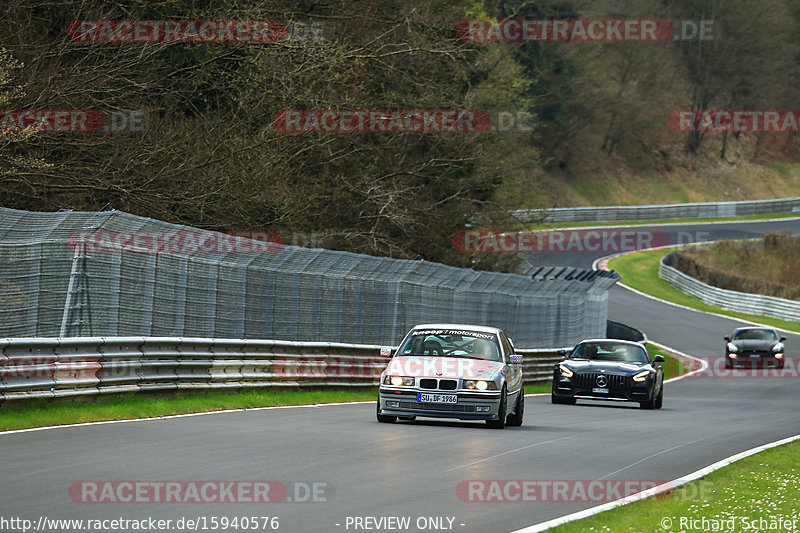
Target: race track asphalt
point(413, 469)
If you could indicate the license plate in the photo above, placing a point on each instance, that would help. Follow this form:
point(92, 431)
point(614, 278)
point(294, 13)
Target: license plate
point(600, 391)
point(437, 398)
point(754, 356)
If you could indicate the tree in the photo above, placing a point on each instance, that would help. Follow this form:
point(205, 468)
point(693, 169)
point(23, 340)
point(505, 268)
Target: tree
point(211, 157)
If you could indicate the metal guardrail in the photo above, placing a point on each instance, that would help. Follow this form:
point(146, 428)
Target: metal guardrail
point(84, 366)
point(660, 212)
point(617, 330)
point(754, 304)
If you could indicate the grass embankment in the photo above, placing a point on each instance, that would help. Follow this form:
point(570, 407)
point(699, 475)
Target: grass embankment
point(766, 266)
point(20, 414)
point(672, 365)
point(23, 414)
point(762, 486)
point(639, 271)
point(743, 218)
point(599, 180)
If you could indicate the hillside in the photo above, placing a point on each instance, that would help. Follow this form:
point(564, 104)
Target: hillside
point(377, 123)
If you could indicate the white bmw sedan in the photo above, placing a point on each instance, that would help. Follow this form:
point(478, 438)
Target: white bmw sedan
point(453, 371)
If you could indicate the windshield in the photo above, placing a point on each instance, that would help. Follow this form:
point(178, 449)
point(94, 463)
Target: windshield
point(755, 334)
point(609, 351)
point(451, 343)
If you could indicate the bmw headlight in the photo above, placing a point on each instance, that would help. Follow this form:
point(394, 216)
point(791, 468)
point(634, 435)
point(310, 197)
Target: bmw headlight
point(479, 384)
point(732, 348)
point(642, 376)
point(398, 381)
point(565, 372)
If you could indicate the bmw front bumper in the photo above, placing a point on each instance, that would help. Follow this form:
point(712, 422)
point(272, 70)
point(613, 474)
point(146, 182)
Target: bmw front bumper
point(470, 405)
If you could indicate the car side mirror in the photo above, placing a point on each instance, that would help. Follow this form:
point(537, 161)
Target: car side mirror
point(659, 358)
point(386, 351)
point(515, 360)
point(783, 339)
point(727, 339)
point(562, 354)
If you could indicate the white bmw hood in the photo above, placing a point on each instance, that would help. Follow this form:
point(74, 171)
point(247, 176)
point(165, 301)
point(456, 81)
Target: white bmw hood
point(443, 367)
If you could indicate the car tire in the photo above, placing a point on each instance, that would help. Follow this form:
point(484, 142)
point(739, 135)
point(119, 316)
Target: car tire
point(516, 419)
point(385, 419)
point(660, 397)
point(728, 363)
point(649, 404)
point(780, 364)
point(500, 423)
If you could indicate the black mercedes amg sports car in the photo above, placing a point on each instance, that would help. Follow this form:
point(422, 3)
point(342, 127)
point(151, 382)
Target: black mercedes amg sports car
point(609, 369)
point(754, 346)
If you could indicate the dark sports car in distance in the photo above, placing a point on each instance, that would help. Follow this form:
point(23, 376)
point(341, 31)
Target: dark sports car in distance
point(609, 369)
point(754, 346)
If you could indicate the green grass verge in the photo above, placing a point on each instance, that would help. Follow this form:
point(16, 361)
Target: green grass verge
point(672, 365)
point(762, 486)
point(744, 218)
point(639, 270)
point(538, 388)
point(21, 414)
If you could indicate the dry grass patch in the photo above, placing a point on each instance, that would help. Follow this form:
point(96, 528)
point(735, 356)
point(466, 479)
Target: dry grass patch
point(767, 266)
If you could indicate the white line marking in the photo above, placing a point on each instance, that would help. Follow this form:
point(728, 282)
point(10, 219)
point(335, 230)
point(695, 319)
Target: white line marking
point(501, 454)
point(694, 476)
point(649, 457)
point(703, 362)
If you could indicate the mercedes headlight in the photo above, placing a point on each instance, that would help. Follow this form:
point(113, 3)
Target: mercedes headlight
point(732, 348)
point(778, 347)
point(642, 376)
point(565, 372)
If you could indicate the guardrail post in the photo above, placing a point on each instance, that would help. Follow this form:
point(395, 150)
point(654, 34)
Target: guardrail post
point(121, 359)
point(159, 363)
point(77, 366)
point(257, 361)
point(30, 367)
point(226, 367)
